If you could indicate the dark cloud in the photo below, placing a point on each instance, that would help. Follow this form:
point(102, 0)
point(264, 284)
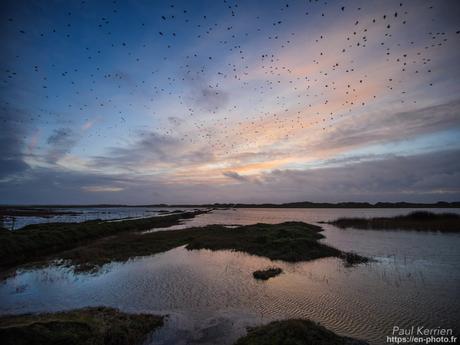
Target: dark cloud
point(426, 177)
point(387, 127)
point(240, 178)
point(152, 148)
point(236, 176)
point(12, 141)
point(212, 98)
point(175, 121)
point(60, 143)
point(51, 185)
point(206, 95)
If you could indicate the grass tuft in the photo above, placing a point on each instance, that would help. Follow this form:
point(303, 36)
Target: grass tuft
point(267, 273)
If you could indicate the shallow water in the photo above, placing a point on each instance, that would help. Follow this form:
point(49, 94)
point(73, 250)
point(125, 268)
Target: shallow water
point(211, 297)
point(82, 214)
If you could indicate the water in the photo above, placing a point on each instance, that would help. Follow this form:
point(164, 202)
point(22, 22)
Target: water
point(211, 297)
point(82, 214)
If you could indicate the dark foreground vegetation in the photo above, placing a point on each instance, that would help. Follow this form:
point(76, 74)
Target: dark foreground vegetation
point(88, 326)
point(419, 221)
point(267, 274)
point(289, 241)
point(294, 331)
point(37, 241)
point(108, 326)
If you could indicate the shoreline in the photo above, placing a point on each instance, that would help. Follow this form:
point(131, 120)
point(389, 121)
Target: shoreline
point(107, 242)
point(38, 241)
point(90, 326)
point(415, 221)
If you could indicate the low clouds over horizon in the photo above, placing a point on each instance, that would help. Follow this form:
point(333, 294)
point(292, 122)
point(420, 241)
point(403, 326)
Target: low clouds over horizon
point(427, 177)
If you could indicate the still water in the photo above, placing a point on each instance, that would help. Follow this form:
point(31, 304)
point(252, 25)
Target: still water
point(83, 214)
point(211, 297)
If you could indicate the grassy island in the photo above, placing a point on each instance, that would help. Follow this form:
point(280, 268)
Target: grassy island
point(289, 241)
point(294, 331)
point(89, 245)
point(418, 221)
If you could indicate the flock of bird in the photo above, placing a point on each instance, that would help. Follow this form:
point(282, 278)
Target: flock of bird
point(253, 84)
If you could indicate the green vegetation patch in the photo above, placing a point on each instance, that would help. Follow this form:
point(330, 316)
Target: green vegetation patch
point(294, 332)
point(95, 326)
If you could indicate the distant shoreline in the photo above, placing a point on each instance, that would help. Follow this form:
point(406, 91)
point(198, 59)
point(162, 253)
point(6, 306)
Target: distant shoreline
point(306, 204)
point(417, 221)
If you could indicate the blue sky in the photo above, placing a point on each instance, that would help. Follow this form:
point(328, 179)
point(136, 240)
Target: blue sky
point(214, 101)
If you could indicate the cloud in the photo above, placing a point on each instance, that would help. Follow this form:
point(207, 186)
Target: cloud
point(242, 178)
point(151, 152)
point(212, 98)
point(430, 176)
point(99, 189)
point(12, 135)
point(387, 127)
point(205, 94)
point(175, 120)
point(425, 177)
point(90, 123)
point(233, 107)
point(236, 176)
point(60, 143)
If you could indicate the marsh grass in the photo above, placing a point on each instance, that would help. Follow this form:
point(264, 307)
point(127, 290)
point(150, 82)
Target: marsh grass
point(289, 241)
point(37, 241)
point(418, 221)
point(267, 273)
point(95, 326)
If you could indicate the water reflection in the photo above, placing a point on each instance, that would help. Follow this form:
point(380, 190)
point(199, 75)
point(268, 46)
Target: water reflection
point(244, 216)
point(82, 214)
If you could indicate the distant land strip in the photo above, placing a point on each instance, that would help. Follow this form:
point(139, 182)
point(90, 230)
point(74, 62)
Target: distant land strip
point(302, 204)
point(418, 221)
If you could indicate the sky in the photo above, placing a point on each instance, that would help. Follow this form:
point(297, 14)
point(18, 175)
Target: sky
point(142, 102)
